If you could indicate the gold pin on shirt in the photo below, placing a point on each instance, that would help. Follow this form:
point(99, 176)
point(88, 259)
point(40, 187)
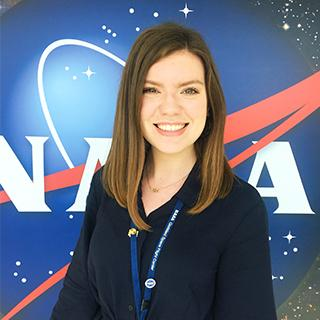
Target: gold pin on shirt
point(133, 232)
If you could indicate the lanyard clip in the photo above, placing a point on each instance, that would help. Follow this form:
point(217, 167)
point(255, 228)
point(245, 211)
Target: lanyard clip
point(145, 304)
point(133, 232)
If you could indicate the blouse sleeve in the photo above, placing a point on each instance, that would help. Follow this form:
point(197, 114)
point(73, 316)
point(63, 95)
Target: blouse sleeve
point(76, 299)
point(244, 279)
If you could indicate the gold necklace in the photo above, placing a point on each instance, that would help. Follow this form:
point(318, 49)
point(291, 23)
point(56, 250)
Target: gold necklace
point(154, 189)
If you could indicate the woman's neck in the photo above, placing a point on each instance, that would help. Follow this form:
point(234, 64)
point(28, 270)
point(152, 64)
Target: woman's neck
point(165, 168)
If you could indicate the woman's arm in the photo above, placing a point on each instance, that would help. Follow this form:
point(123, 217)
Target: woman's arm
point(244, 284)
point(76, 299)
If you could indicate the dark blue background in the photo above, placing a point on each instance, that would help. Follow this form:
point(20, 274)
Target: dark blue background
point(255, 57)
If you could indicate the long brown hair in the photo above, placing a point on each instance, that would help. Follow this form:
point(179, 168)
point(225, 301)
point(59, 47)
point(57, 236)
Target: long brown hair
point(126, 160)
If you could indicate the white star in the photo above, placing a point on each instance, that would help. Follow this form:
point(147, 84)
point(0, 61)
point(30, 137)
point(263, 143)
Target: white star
point(88, 72)
point(285, 27)
point(289, 236)
point(186, 10)
point(273, 277)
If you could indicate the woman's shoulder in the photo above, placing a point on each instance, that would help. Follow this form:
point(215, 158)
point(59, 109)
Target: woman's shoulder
point(242, 188)
point(97, 183)
point(98, 186)
point(240, 213)
point(242, 196)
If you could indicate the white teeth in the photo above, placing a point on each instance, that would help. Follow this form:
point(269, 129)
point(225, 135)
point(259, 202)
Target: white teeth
point(167, 127)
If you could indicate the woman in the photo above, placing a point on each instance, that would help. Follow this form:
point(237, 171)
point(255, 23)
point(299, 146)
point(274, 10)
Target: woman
point(169, 232)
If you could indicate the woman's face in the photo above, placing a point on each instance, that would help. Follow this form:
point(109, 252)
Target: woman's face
point(174, 103)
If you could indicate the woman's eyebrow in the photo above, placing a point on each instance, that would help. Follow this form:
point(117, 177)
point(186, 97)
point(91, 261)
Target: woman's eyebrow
point(179, 84)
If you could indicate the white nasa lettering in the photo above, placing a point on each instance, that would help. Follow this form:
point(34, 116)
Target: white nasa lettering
point(284, 174)
point(98, 150)
point(174, 215)
point(27, 195)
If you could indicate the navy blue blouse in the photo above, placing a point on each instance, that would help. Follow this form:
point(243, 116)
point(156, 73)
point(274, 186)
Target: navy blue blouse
point(214, 266)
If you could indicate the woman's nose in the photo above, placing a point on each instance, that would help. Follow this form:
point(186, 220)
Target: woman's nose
point(170, 104)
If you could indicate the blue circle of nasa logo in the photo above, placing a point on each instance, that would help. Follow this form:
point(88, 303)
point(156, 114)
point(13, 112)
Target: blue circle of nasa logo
point(150, 283)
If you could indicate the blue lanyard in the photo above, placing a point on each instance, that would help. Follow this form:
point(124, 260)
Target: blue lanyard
point(143, 306)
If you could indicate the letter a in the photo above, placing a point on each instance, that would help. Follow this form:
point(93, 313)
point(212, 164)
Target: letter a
point(284, 174)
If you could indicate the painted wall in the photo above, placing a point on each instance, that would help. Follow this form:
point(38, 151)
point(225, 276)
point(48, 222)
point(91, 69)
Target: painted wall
point(61, 63)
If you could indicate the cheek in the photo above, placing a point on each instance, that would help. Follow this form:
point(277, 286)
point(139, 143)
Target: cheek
point(147, 110)
point(198, 110)
point(143, 114)
point(146, 114)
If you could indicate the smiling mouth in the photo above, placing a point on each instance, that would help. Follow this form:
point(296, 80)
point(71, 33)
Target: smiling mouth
point(171, 127)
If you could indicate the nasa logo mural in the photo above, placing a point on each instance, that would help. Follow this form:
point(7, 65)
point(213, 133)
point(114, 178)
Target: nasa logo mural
point(61, 67)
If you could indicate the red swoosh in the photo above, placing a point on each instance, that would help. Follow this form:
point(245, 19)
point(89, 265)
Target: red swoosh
point(44, 286)
point(268, 111)
point(300, 101)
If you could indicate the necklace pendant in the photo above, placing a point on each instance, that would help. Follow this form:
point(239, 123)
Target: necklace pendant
point(155, 190)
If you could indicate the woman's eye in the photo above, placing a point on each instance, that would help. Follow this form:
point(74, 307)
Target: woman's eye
point(150, 90)
point(191, 91)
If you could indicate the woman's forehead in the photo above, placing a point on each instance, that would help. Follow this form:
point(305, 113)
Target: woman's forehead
point(179, 67)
